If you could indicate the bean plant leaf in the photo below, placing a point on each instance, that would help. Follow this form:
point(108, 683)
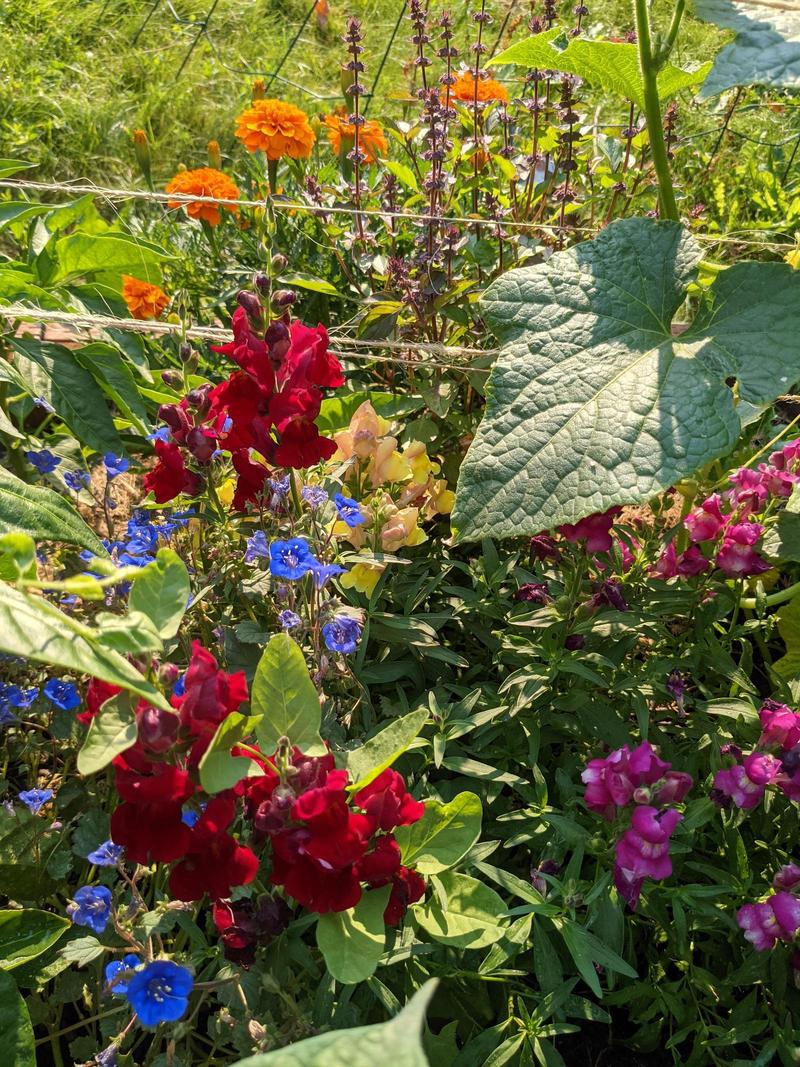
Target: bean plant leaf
point(472, 916)
point(379, 752)
point(112, 731)
point(16, 1031)
point(110, 370)
point(32, 628)
point(286, 699)
point(161, 592)
point(107, 254)
point(593, 401)
point(765, 51)
point(443, 836)
point(612, 66)
point(24, 935)
point(352, 941)
point(42, 514)
point(53, 372)
point(363, 1046)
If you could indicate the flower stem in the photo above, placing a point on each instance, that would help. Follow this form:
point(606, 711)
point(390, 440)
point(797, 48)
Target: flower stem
point(649, 64)
point(774, 598)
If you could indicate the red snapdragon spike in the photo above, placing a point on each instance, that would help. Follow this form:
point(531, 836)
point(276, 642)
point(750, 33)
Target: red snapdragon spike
point(245, 404)
point(248, 350)
point(388, 803)
point(302, 445)
point(251, 480)
point(209, 694)
point(380, 866)
point(317, 889)
point(309, 360)
point(177, 417)
point(97, 693)
point(293, 403)
point(150, 833)
point(170, 477)
point(212, 864)
point(202, 443)
point(141, 782)
point(407, 888)
point(158, 729)
point(245, 924)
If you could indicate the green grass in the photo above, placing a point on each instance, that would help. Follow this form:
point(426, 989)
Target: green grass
point(75, 85)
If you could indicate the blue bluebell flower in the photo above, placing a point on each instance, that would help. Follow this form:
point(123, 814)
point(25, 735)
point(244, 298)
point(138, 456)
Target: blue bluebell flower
point(257, 547)
point(35, 799)
point(106, 855)
point(159, 992)
point(63, 694)
point(44, 403)
point(109, 1057)
point(44, 460)
point(161, 433)
point(7, 717)
point(342, 634)
point(323, 572)
point(142, 536)
point(289, 620)
point(76, 480)
point(290, 559)
point(118, 973)
point(315, 496)
point(21, 698)
point(180, 686)
point(91, 906)
point(349, 510)
point(115, 465)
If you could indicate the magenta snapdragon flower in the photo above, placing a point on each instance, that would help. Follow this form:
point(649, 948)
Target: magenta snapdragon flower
point(737, 558)
point(686, 565)
point(706, 522)
point(787, 878)
point(780, 726)
point(772, 920)
point(746, 783)
point(595, 530)
point(750, 494)
point(643, 851)
point(612, 781)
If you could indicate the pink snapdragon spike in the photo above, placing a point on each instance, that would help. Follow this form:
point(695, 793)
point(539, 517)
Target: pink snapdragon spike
point(746, 783)
point(643, 851)
point(787, 878)
point(612, 781)
point(786, 458)
point(778, 482)
point(772, 920)
point(737, 558)
point(749, 494)
point(595, 530)
point(706, 522)
point(673, 788)
point(686, 565)
point(780, 726)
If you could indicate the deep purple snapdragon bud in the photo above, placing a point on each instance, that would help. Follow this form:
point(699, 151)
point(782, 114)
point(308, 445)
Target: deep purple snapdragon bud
point(177, 418)
point(545, 867)
point(199, 398)
point(542, 547)
point(158, 729)
point(284, 298)
point(676, 685)
point(262, 283)
point(533, 593)
point(279, 263)
point(274, 813)
point(251, 304)
point(172, 378)
point(185, 351)
point(574, 642)
point(201, 443)
point(279, 341)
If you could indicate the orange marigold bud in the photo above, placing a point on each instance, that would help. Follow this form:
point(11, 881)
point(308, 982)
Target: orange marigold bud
point(144, 300)
point(276, 128)
point(214, 154)
point(205, 181)
point(141, 147)
point(259, 90)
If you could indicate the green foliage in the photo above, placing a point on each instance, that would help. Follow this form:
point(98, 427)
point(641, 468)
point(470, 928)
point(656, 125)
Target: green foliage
point(24, 935)
point(219, 769)
point(542, 456)
point(285, 699)
point(352, 941)
point(462, 912)
point(766, 50)
point(161, 592)
point(42, 514)
point(444, 834)
point(112, 731)
point(379, 752)
point(16, 1032)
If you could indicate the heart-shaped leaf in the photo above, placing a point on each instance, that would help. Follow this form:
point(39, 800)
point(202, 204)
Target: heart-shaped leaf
point(593, 401)
point(112, 731)
point(444, 834)
point(352, 941)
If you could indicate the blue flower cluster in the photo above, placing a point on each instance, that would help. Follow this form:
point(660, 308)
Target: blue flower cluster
point(349, 510)
point(60, 693)
point(144, 535)
point(342, 634)
point(43, 460)
point(35, 799)
point(158, 992)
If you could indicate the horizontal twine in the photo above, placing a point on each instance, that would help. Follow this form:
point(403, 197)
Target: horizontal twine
point(292, 206)
point(340, 343)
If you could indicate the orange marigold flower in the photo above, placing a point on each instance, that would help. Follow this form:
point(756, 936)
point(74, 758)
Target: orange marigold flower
point(488, 88)
point(277, 128)
point(205, 181)
point(371, 138)
point(144, 300)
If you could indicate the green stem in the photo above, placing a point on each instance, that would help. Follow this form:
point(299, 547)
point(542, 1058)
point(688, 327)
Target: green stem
point(774, 598)
point(649, 64)
point(672, 32)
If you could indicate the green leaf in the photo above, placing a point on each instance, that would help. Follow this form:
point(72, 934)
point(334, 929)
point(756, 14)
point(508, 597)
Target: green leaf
point(363, 1046)
point(788, 666)
point(81, 254)
point(132, 634)
point(286, 699)
point(471, 919)
point(16, 1031)
point(53, 372)
point(558, 443)
point(12, 211)
point(12, 166)
point(112, 731)
point(782, 541)
point(81, 950)
point(161, 592)
point(612, 66)
point(218, 768)
point(405, 175)
point(352, 941)
point(443, 836)
point(17, 556)
point(42, 514)
point(765, 51)
point(24, 935)
point(586, 950)
point(301, 280)
point(379, 752)
point(32, 628)
point(108, 367)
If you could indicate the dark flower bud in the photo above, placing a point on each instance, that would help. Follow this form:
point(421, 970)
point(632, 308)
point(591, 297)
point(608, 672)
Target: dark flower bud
point(574, 642)
point(279, 263)
point(250, 302)
point(533, 593)
point(201, 443)
point(274, 813)
point(790, 761)
point(185, 351)
point(177, 418)
point(172, 378)
point(543, 548)
point(279, 341)
point(158, 729)
point(261, 282)
point(284, 298)
point(722, 800)
point(199, 398)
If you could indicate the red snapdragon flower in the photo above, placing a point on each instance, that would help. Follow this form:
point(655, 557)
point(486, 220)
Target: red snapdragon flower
point(170, 476)
point(595, 530)
point(214, 862)
point(388, 803)
point(97, 693)
point(148, 823)
point(209, 694)
point(251, 480)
